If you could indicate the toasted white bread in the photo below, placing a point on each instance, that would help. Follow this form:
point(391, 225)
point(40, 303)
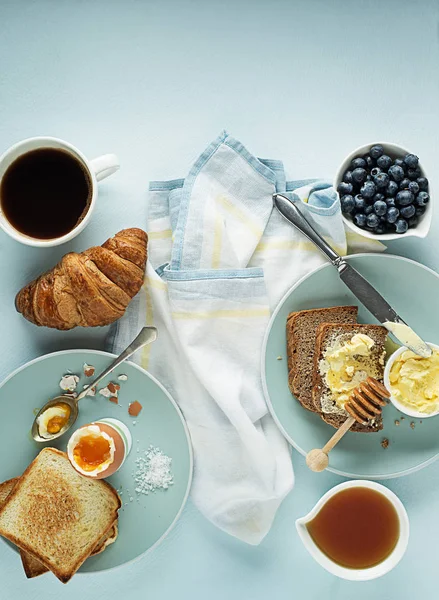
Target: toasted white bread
point(57, 515)
point(33, 567)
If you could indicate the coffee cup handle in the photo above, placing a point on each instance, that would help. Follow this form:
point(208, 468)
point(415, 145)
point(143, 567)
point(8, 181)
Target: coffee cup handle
point(105, 165)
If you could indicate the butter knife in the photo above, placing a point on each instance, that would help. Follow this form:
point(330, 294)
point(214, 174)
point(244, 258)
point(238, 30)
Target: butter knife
point(358, 285)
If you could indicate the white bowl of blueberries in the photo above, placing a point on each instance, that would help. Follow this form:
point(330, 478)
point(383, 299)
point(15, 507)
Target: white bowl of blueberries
point(384, 192)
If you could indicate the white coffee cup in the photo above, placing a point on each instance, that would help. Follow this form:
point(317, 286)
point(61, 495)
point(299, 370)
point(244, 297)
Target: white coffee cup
point(97, 169)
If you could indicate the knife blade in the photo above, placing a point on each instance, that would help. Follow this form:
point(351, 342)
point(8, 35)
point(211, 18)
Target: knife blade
point(381, 309)
point(359, 286)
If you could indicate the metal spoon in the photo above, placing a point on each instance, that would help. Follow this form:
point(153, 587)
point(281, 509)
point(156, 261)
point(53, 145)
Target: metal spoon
point(146, 336)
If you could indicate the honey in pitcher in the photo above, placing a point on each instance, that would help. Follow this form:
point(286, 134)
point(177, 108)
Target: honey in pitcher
point(357, 528)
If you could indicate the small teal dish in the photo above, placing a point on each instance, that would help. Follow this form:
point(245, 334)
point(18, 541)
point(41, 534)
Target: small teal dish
point(412, 290)
point(144, 520)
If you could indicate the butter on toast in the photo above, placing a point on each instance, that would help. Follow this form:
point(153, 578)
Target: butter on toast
point(57, 515)
point(373, 365)
point(301, 346)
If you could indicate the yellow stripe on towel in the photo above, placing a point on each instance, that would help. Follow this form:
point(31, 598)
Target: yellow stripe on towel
point(223, 314)
point(239, 214)
point(160, 235)
point(217, 241)
point(146, 351)
point(304, 245)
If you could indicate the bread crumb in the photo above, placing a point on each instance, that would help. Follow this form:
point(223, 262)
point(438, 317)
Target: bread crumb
point(385, 443)
point(420, 421)
point(396, 422)
point(412, 424)
point(279, 358)
point(402, 418)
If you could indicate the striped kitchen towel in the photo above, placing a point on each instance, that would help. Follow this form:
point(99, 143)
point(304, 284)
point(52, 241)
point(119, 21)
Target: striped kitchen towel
point(220, 259)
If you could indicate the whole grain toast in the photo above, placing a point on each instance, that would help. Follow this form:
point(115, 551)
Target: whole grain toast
point(32, 567)
point(57, 515)
point(327, 333)
point(301, 346)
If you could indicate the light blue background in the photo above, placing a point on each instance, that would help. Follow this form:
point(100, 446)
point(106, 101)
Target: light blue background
point(305, 81)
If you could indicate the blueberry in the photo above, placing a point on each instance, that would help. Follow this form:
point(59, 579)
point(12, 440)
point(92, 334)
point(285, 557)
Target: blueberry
point(420, 210)
point(390, 201)
point(368, 209)
point(347, 204)
point(411, 160)
point(422, 199)
point(368, 189)
point(373, 221)
point(378, 197)
point(400, 163)
point(414, 173)
point(401, 226)
point(369, 177)
point(360, 220)
point(381, 229)
point(423, 183)
point(381, 180)
point(376, 151)
point(345, 188)
point(413, 221)
point(358, 163)
point(392, 188)
point(396, 172)
point(384, 162)
point(374, 172)
point(360, 203)
point(414, 187)
point(408, 211)
point(404, 198)
point(370, 163)
point(404, 184)
point(380, 208)
point(359, 175)
point(347, 177)
point(392, 214)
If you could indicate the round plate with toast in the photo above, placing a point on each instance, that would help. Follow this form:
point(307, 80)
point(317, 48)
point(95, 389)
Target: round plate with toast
point(411, 289)
point(144, 519)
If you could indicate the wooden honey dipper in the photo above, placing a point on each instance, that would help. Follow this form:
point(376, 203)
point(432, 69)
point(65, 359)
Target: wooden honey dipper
point(365, 403)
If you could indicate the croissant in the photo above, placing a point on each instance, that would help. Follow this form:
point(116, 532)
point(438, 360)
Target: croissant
point(89, 289)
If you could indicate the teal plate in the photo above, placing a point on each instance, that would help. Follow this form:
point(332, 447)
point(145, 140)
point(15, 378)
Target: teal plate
point(412, 290)
point(146, 519)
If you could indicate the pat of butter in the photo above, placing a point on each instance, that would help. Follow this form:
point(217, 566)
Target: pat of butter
point(343, 367)
point(414, 381)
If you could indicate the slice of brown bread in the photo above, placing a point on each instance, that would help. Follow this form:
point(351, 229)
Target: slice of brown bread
point(374, 366)
point(58, 515)
point(301, 346)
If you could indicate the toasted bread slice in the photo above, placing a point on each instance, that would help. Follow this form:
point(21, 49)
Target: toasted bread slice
point(301, 345)
point(373, 365)
point(58, 515)
point(32, 567)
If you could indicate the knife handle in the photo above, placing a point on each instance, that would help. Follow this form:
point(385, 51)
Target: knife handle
point(292, 214)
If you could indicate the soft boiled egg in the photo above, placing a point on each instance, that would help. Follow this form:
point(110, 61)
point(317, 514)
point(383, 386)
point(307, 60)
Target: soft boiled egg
point(99, 449)
point(53, 419)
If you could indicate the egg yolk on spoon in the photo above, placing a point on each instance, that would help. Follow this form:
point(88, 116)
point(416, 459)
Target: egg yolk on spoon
point(91, 451)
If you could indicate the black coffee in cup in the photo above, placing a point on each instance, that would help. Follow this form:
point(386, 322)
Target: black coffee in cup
point(45, 193)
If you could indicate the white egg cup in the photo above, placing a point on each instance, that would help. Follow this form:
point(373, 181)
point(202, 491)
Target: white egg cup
point(394, 151)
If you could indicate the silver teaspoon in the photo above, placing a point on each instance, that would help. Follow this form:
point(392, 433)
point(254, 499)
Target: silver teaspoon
point(146, 336)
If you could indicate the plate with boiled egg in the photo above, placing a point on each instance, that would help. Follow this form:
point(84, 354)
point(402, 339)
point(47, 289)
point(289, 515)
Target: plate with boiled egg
point(129, 432)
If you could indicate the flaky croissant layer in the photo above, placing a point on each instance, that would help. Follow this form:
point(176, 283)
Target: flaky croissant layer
point(89, 289)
